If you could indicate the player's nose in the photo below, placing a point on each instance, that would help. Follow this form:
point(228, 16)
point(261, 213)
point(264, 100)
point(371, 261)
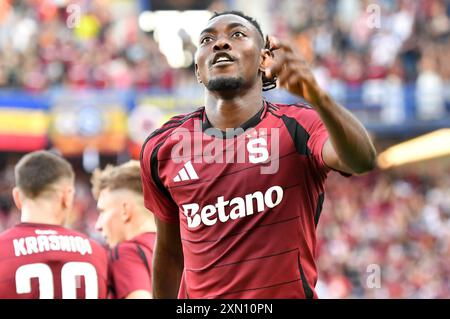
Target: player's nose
point(98, 224)
point(222, 43)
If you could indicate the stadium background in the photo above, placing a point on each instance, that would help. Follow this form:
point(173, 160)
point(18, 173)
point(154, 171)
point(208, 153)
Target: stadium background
point(90, 79)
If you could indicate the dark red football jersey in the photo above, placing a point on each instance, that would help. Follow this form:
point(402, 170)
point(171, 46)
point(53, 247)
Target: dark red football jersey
point(40, 261)
point(130, 265)
point(247, 203)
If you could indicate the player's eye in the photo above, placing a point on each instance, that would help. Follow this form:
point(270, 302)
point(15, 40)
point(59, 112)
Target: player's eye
point(205, 39)
point(238, 34)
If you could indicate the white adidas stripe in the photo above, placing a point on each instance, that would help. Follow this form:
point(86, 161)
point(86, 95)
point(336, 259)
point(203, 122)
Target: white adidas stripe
point(184, 176)
point(186, 173)
point(191, 171)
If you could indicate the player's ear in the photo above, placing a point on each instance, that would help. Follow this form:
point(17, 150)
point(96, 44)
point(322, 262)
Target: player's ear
point(267, 56)
point(68, 195)
point(266, 59)
point(127, 211)
point(17, 197)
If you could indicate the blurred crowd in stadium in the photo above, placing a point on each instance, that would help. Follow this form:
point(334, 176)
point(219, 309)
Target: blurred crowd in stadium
point(348, 46)
point(406, 44)
point(39, 50)
point(398, 220)
point(343, 38)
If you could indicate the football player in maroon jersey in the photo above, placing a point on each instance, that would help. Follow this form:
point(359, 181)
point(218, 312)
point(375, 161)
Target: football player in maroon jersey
point(228, 228)
point(40, 258)
point(128, 228)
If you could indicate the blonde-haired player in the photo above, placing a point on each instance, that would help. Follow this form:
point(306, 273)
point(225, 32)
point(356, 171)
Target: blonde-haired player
point(128, 228)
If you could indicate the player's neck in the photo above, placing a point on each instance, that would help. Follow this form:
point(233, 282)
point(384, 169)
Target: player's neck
point(232, 112)
point(40, 214)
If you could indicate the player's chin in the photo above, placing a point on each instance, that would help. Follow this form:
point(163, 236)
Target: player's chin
point(108, 241)
point(225, 82)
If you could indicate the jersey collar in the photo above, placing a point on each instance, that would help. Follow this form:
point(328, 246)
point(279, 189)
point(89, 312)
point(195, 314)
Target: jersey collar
point(208, 129)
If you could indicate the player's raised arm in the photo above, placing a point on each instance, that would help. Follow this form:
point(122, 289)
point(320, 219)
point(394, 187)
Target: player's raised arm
point(167, 260)
point(349, 148)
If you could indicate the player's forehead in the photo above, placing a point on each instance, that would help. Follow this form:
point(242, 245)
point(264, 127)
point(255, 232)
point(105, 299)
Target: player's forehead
point(228, 21)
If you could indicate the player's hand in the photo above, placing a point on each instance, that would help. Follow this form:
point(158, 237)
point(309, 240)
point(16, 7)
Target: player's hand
point(292, 71)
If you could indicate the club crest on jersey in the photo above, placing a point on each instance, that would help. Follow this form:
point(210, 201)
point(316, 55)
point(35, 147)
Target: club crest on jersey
point(257, 149)
point(238, 207)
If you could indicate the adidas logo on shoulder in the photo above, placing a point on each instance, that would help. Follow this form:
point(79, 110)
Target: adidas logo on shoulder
point(186, 173)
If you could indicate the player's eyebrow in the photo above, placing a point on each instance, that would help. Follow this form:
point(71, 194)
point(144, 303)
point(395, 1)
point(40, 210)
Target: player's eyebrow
point(230, 26)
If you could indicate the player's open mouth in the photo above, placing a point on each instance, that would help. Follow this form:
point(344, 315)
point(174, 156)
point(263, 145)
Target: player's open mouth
point(222, 59)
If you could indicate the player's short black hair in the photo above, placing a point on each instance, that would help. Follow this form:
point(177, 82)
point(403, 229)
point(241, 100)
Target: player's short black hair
point(268, 84)
point(242, 15)
point(37, 171)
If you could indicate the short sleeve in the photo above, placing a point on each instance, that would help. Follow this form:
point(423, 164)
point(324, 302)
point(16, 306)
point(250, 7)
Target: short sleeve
point(156, 197)
point(128, 272)
point(308, 132)
point(318, 135)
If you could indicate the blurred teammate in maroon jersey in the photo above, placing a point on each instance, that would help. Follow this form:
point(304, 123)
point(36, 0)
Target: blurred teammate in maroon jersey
point(230, 228)
point(38, 257)
point(128, 228)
